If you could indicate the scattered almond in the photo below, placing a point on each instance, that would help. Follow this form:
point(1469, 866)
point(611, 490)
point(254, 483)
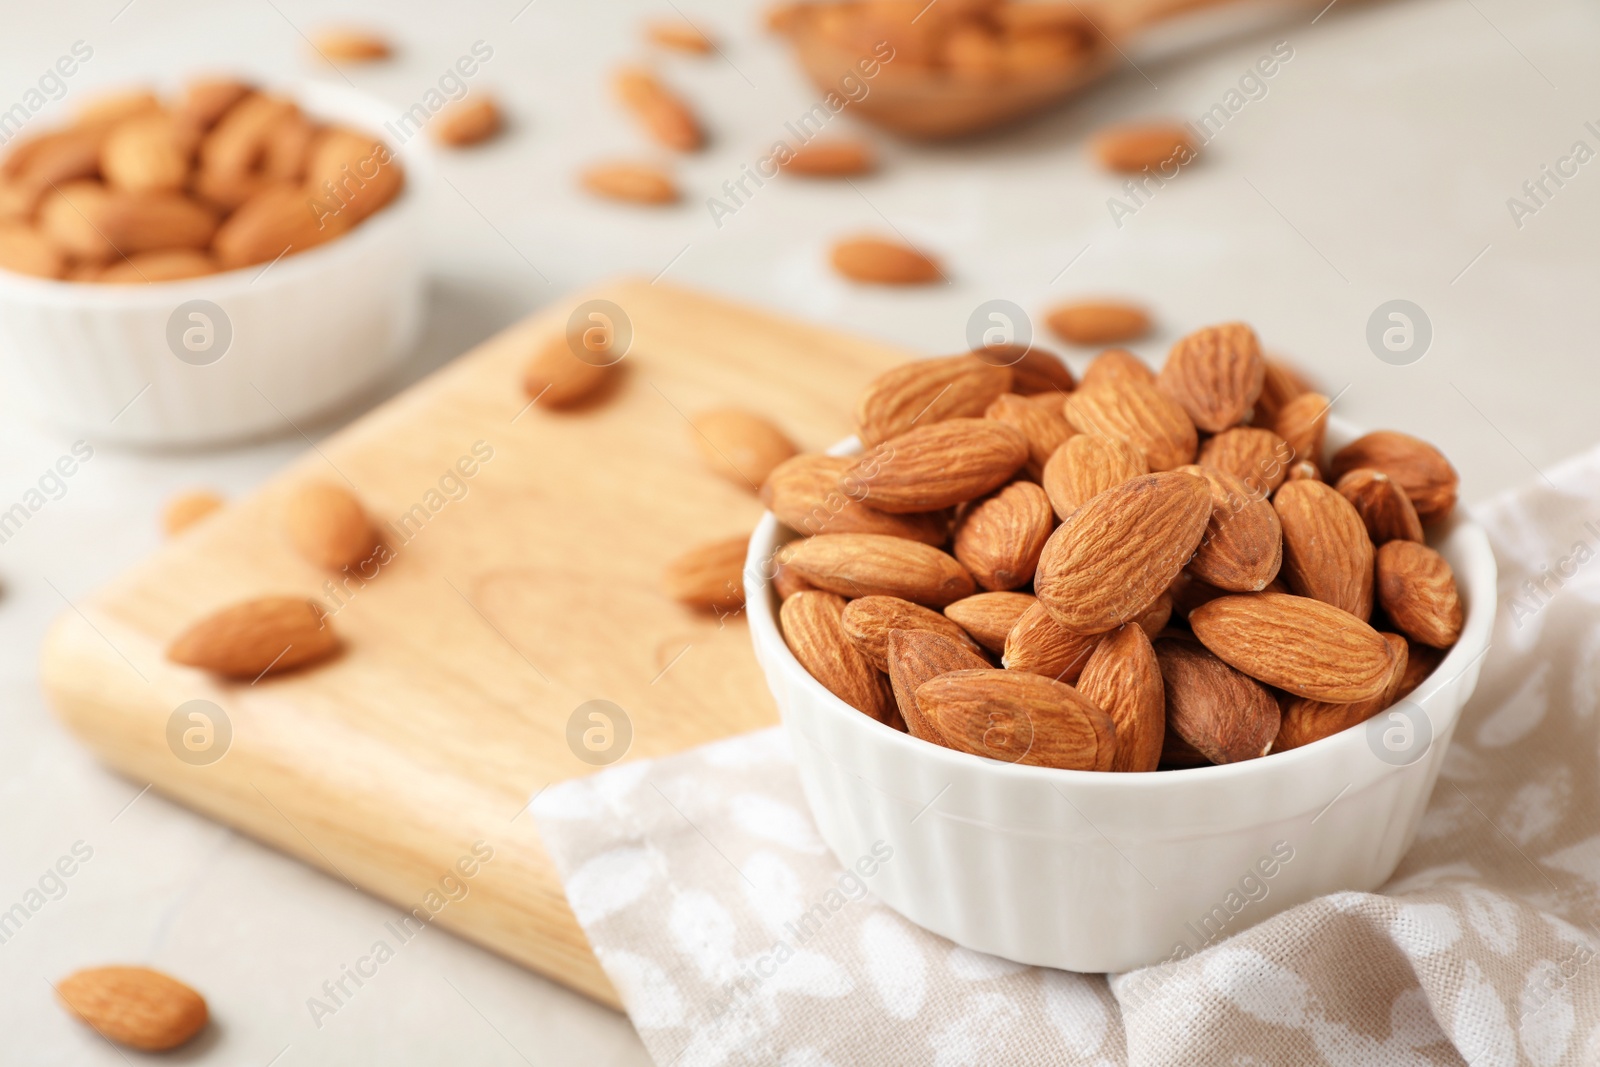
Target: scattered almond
point(866, 564)
point(1098, 322)
point(639, 183)
point(678, 34)
point(253, 637)
point(1327, 554)
point(1302, 646)
point(1383, 506)
point(990, 617)
point(709, 577)
point(881, 262)
point(664, 116)
point(186, 509)
point(328, 526)
point(830, 159)
point(468, 122)
point(999, 537)
point(1136, 147)
point(741, 446)
point(1123, 678)
point(1417, 590)
point(1416, 466)
point(350, 45)
point(556, 378)
point(867, 621)
point(1019, 718)
point(134, 1006)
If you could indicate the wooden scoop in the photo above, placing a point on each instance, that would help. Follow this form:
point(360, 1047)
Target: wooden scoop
point(947, 80)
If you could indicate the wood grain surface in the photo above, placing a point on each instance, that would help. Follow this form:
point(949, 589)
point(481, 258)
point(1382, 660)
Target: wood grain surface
point(515, 594)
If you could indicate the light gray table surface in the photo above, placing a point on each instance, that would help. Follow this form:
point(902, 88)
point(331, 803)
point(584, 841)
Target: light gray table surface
point(1377, 165)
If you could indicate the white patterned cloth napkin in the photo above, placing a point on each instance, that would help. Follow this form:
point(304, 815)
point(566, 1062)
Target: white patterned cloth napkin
point(735, 937)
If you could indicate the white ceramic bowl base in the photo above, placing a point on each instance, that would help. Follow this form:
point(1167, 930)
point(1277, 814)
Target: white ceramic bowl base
point(309, 333)
point(1098, 872)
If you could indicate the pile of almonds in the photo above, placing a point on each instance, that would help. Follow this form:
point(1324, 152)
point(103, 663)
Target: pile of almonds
point(223, 176)
point(1136, 572)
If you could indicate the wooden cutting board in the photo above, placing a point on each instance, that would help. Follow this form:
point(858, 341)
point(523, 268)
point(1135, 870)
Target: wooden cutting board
point(514, 596)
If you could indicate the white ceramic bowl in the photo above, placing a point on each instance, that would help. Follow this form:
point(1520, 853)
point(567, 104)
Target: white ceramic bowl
point(309, 334)
point(1107, 872)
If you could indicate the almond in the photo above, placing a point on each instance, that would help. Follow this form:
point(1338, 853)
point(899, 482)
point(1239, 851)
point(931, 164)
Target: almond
point(1305, 721)
point(1135, 147)
point(915, 656)
point(1301, 471)
point(238, 141)
point(1037, 372)
point(741, 446)
point(940, 464)
point(1098, 322)
point(1302, 423)
point(288, 149)
point(1189, 592)
point(25, 250)
point(1123, 679)
point(662, 114)
point(1303, 646)
point(468, 122)
point(148, 153)
point(1179, 755)
point(205, 100)
point(1280, 384)
point(639, 183)
point(186, 509)
point(1260, 457)
point(107, 109)
point(1038, 644)
point(1384, 508)
point(1086, 466)
point(928, 391)
point(556, 378)
point(278, 221)
point(1416, 466)
point(134, 1006)
point(999, 538)
point(328, 526)
point(350, 45)
point(814, 494)
point(1418, 591)
point(1041, 423)
point(989, 617)
point(812, 628)
point(149, 267)
point(830, 159)
point(679, 35)
point(1421, 661)
point(55, 158)
point(867, 621)
point(1154, 619)
point(97, 224)
point(1134, 411)
point(1327, 554)
point(252, 637)
point(786, 583)
point(1019, 718)
point(1109, 560)
point(1215, 374)
point(1243, 543)
point(351, 175)
point(1219, 712)
point(866, 564)
point(1117, 364)
point(882, 262)
point(710, 576)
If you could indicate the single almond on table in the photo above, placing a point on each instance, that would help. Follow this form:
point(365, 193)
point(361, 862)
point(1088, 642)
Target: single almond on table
point(1280, 384)
point(741, 446)
point(149, 267)
point(1243, 544)
point(1215, 374)
point(328, 526)
point(830, 159)
point(1110, 559)
point(1041, 423)
point(678, 34)
point(1327, 554)
point(1303, 646)
point(1038, 644)
point(999, 538)
point(940, 465)
point(1035, 371)
point(1416, 466)
point(1134, 147)
point(26, 250)
point(1305, 721)
point(639, 183)
point(1117, 364)
point(468, 122)
point(867, 621)
point(1217, 710)
point(557, 377)
point(250, 638)
point(709, 577)
point(1303, 423)
point(1383, 506)
point(882, 262)
point(1133, 410)
point(186, 509)
point(814, 633)
point(1019, 718)
point(990, 617)
point(134, 1006)
point(1098, 322)
point(927, 391)
point(1123, 679)
point(351, 45)
point(1086, 466)
point(814, 494)
point(865, 564)
point(1417, 590)
point(916, 656)
point(1259, 457)
point(662, 114)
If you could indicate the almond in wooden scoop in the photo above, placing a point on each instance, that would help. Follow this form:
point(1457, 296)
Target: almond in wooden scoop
point(1017, 717)
point(328, 526)
point(244, 640)
point(135, 1006)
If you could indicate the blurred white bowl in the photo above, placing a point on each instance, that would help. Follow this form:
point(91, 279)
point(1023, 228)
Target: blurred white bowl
point(1100, 872)
point(308, 334)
